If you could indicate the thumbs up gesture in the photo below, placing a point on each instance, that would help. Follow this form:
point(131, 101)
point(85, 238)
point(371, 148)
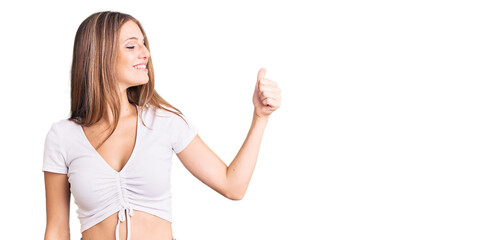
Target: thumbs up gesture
point(267, 95)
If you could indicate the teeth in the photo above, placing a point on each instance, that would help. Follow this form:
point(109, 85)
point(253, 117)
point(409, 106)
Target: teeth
point(140, 66)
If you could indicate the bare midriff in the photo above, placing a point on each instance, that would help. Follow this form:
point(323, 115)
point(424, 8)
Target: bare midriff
point(143, 226)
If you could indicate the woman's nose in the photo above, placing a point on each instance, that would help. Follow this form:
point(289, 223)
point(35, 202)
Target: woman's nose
point(144, 53)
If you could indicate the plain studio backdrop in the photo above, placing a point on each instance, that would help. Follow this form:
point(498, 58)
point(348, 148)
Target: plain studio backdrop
point(390, 125)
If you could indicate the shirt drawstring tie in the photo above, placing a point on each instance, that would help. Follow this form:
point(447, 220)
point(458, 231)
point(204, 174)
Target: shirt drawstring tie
point(122, 218)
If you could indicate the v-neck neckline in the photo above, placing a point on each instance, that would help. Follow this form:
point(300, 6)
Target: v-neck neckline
point(99, 155)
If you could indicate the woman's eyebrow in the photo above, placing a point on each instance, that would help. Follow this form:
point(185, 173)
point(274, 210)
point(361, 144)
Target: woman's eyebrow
point(135, 38)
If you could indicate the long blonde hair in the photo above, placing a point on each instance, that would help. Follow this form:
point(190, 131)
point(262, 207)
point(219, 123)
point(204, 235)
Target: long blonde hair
point(93, 80)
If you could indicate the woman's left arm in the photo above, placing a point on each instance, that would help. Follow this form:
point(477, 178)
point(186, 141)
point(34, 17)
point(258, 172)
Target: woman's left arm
point(232, 181)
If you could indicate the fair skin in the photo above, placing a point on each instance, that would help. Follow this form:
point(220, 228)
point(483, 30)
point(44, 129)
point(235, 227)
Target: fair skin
point(230, 181)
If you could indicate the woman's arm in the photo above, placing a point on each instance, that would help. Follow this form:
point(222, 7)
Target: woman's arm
point(232, 181)
point(57, 200)
point(240, 171)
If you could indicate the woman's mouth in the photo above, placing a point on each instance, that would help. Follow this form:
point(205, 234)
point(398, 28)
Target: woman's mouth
point(141, 67)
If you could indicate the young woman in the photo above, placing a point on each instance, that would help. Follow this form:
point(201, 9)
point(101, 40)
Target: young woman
point(114, 153)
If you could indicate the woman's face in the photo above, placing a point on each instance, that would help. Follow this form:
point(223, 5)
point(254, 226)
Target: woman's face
point(132, 57)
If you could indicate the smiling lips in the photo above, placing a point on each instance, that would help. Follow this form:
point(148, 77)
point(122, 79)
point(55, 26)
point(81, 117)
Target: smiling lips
point(141, 67)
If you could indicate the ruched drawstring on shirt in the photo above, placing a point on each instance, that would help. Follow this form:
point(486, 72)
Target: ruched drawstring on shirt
point(122, 218)
point(124, 200)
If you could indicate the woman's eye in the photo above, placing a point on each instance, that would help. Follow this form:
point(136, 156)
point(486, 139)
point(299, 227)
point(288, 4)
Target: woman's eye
point(130, 47)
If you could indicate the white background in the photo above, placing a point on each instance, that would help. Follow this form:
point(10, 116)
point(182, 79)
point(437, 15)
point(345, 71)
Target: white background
point(391, 123)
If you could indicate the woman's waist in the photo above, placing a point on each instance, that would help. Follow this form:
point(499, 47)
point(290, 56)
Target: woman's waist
point(143, 225)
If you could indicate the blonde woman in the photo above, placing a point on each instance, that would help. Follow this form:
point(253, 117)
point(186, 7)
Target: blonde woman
point(114, 152)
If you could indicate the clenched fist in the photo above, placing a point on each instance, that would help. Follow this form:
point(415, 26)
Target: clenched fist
point(267, 95)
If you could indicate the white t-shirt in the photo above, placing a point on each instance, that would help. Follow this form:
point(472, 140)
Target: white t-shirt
point(143, 184)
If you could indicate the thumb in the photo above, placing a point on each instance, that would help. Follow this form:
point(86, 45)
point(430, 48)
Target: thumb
point(261, 73)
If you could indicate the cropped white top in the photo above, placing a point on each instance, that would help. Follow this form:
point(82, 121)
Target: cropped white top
point(142, 184)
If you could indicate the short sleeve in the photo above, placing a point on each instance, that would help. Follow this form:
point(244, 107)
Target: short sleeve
point(54, 157)
point(185, 132)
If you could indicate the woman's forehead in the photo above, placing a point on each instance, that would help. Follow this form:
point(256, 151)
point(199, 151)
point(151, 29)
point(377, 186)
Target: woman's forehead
point(130, 30)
